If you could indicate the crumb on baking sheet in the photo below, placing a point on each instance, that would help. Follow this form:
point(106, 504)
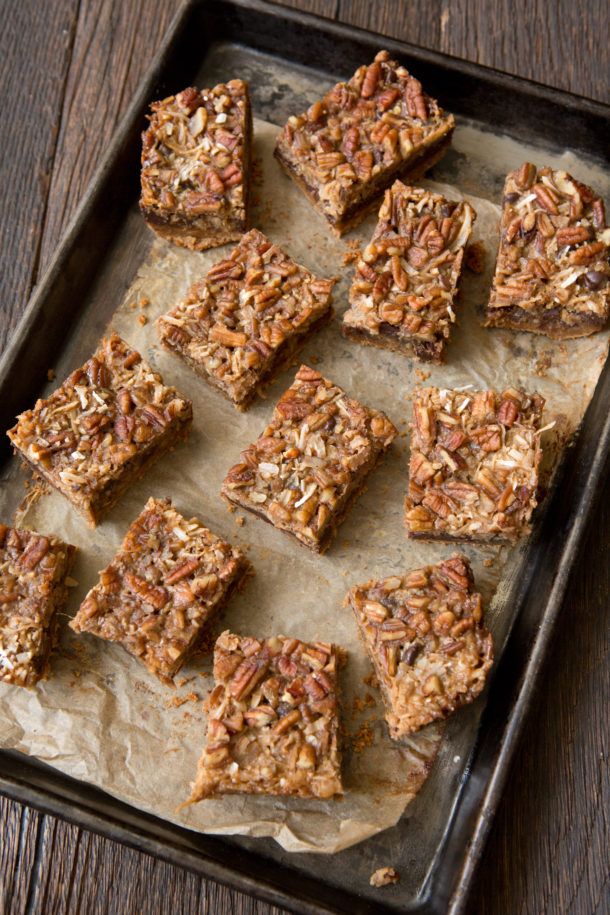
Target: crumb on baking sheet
point(421, 374)
point(474, 256)
point(352, 254)
point(142, 320)
point(363, 737)
point(361, 704)
point(384, 876)
point(371, 680)
point(50, 374)
point(182, 681)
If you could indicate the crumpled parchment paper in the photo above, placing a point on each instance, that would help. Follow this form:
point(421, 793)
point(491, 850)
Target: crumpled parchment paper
point(103, 719)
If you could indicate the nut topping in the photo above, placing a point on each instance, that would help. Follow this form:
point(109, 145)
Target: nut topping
point(195, 156)
point(95, 433)
point(33, 571)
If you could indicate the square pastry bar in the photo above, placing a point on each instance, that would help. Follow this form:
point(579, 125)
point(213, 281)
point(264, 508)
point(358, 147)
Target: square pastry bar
point(474, 464)
point(165, 585)
point(33, 571)
point(102, 428)
point(273, 720)
point(403, 294)
point(346, 149)
point(195, 166)
point(248, 316)
point(423, 632)
point(552, 274)
point(311, 461)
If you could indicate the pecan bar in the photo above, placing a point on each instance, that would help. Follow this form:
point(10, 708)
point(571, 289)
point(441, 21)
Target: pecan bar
point(352, 144)
point(247, 317)
point(552, 274)
point(403, 293)
point(157, 597)
point(273, 720)
point(33, 571)
point(102, 428)
point(195, 166)
point(311, 461)
point(424, 634)
point(474, 464)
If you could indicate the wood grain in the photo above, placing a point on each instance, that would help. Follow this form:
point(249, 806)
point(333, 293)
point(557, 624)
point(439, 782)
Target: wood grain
point(32, 105)
point(67, 70)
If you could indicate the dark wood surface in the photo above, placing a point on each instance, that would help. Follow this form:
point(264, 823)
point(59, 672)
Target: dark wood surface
point(67, 71)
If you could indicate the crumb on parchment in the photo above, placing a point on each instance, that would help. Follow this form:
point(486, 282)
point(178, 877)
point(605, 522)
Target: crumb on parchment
point(384, 876)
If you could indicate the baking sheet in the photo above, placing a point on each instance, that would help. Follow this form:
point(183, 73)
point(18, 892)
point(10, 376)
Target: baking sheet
point(103, 719)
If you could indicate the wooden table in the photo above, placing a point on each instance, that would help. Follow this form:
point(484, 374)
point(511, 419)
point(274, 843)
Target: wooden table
point(68, 69)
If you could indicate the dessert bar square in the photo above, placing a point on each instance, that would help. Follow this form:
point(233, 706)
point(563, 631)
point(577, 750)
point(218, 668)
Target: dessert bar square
point(33, 571)
point(346, 149)
point(102, 428)
point(165, 585)
point(474, 464)
point(552, 274)
point(242, 322)
point(311, 461)
point(403, 294)
point(196, 164)
point(273, 720)
point(423, 632)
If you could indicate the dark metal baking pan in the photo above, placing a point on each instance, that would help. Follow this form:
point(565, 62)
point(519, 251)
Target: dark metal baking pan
point(61, 319)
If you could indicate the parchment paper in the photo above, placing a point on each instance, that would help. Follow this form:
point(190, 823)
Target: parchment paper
point(103, 719)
